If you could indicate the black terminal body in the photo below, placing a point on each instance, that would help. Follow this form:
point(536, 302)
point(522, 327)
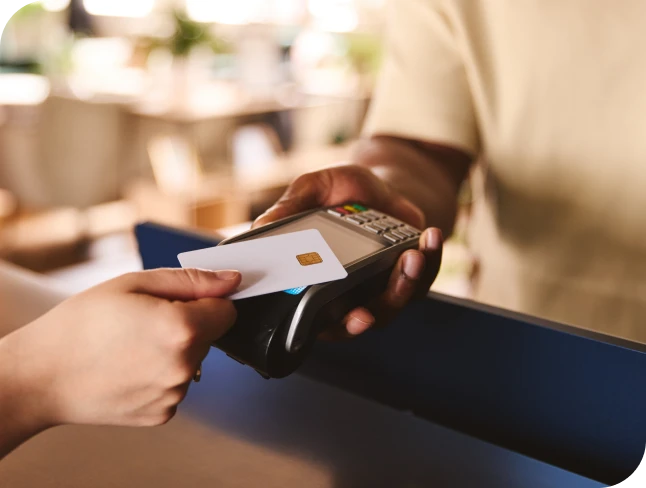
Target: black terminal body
point(274, 332)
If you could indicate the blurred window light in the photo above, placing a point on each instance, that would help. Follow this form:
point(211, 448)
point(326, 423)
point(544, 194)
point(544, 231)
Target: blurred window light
point(375, 4)
point(311, 46)
point(238, 12)
point(288, 11)
point(243, 12)
point(101, 67)
point(23, 89)
point(119, 8)
point(101, 54)
point(334, 15)
point(55, 5)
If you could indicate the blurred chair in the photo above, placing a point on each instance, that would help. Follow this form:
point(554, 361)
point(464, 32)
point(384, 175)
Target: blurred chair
point(20, 171)
point(36, 240)
point(81, 151)
point(63, 152)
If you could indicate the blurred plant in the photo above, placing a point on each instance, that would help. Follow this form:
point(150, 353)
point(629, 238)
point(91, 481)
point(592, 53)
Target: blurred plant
point(187, 35)
point(364, 52)
point(339, 137)
point(28, 12)
point(19, 42)
point(59, 60)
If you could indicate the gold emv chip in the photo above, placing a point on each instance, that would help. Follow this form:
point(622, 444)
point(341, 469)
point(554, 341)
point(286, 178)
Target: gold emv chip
point(309, 259)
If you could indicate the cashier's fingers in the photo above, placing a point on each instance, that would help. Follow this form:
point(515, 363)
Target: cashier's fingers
point(339, 184)
point(307, 191)
point(412, 276)
point(431, 245)
point(358, 321)
point(355, 323)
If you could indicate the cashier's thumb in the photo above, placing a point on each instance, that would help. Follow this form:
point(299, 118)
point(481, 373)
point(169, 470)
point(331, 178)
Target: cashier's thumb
point(184, 284)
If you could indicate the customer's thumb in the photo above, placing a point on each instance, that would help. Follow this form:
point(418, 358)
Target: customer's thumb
point(183, 284)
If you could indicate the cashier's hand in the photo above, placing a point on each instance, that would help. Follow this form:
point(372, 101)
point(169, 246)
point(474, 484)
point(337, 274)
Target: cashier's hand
point(124, 352)
point(416, 269)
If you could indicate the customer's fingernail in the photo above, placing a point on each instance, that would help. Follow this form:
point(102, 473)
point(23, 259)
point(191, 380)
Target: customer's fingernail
point(227, 274)
point(432, 239)
point(413, 265)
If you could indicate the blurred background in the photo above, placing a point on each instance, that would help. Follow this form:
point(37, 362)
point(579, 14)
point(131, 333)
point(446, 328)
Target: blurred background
point(193, 113)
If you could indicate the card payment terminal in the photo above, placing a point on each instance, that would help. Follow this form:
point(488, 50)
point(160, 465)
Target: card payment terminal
point(274, 332)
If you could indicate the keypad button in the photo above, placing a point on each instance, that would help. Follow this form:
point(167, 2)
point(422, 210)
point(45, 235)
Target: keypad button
point(360, 208)
point(379, 226)
point(335, 212)
point(341, 210)
point(372, 228)
point(354, 220)
point(390, 223)
point(399, 234)
point(391, 238)
point(351, 209)
point(369, 216)
point(415, 232)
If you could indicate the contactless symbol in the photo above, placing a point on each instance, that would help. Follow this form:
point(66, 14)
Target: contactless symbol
point(309, 259)
point(296, 291)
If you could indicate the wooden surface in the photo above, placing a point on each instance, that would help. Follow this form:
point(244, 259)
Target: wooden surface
point(238, 430)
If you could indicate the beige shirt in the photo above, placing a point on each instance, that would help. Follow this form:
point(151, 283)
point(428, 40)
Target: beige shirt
point(551, 94)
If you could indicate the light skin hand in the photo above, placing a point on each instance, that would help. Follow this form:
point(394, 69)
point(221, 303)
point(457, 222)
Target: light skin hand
point(123, 353)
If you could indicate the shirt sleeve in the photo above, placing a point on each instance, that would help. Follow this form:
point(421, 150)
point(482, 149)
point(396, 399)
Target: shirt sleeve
point(422, 91)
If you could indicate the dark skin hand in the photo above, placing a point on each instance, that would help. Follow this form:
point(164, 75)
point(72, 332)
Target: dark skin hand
point(413, 181)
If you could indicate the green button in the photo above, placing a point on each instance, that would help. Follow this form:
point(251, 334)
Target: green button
point(360, 208)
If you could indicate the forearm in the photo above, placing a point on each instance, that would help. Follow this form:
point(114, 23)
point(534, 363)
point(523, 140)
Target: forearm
point(430, 176)
point(22, 404)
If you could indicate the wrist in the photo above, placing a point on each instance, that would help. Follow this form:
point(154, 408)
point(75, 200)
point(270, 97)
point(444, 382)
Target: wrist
point(24, 392)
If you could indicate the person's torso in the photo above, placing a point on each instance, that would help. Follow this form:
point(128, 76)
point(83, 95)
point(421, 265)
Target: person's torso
point(559, 89)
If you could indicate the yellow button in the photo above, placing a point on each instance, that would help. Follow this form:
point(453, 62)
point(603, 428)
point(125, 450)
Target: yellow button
point(349, 208)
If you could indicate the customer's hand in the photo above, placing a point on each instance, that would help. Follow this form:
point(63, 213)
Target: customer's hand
point(122, 353)
point(415, 271)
